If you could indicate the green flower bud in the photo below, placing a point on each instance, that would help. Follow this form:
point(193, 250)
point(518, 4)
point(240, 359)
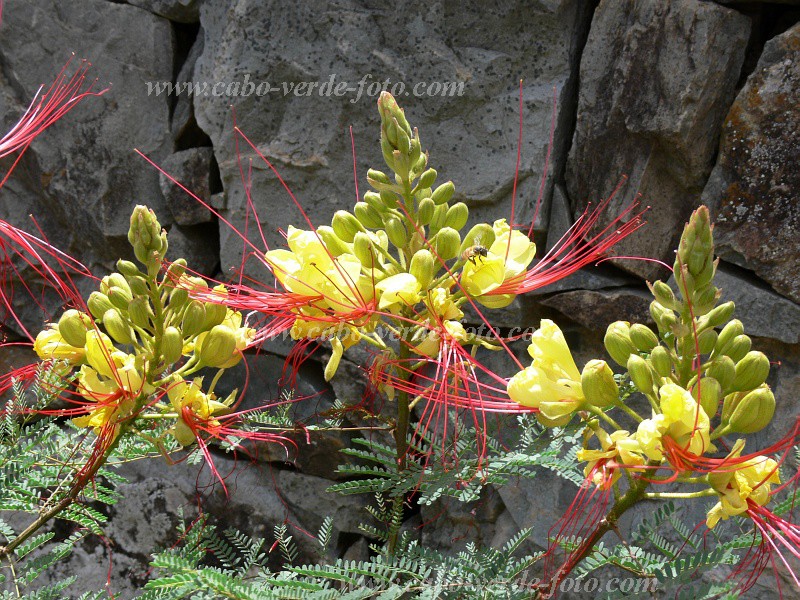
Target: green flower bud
point(72, 326)
point(439, 217)
point(739, 347)
point(389, 199)
point(684, 280)
point(731, 330)
point(193, 318)
point(380, 180)
point(710, 392)
point(481, 234)
point(723, 370)
point(171, 345)
point(443, 193)
point(696, 248)
point(643, 337)
point(664, 294)
point(641, 374)
point(388, 152)
point(367, 216)
point(140, 312)
point(218, 346)
point(114, 280)
point(423, 267)
point(751, 371)
point(618, 342)
point(178, 298)
point(425, 211)
point(457, 216)
point(117, 327)
point(138, 286)
point(331, 241)
point(215, 314)
point(427, 179)
point(751, 412)
point(704, 299)
point(447, 243)
point(390, 112)
point(662, 363)
point(144, 234)
point(176, 270)
point(706, 341)
point(396, 232)
point(374, 200)
point(345, 226)
point(597, 382)
point(664, 318)
point(362, 248)
point(721, 314)
point(120, 297)
point(127, 268)
point(98, 303)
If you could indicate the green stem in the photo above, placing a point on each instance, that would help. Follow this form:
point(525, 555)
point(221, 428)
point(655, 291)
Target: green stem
point(683, 495)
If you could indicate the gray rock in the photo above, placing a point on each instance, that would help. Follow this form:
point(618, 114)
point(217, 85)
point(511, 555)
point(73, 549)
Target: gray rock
point(180, 11)
point(199, 244)
point(182, 120)
point(192, 168)
point(597, 309)
point(656, 81)
point(754, 188)
point(472, 137)
point(81, 178)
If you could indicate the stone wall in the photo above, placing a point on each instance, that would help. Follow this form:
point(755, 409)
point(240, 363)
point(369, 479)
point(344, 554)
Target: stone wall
point(694, 101)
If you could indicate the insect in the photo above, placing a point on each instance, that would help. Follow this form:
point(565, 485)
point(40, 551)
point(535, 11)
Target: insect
point(474, 252)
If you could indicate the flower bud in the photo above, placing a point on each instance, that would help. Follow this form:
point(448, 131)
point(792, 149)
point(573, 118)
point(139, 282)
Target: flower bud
point(427, 179)
point(389, 199)
point(215, 314)
point(176, 270)
point(138, 286)
point(396, 232)
point(171, 345)
point(751, 371)
point(729, 332)
point(661, 362)
point(425, 211)
point(98, 304)
point(423, 267)
point(443, 193)
point(618, 342)
point(379, 180)
point(373, 199)
point(345, 226)
point(751, 412)
point(696, 248)
point(120, 297)
point(447, 243)
point(439, 217)
point(643, 337)
point(217, 346)
point(331, 241)
point(73, 326)
point(481, 234)
point(362, 248)
point(704, 299)
point(367, 216)
point(641, 374)
point(117, 327)
point(457, 216)
point(127, 268)
point(723, 370)
point(710, 392)
point(144, 234)
point(178, 298)
point(140, 312)
point(721, 314)
point(390, 111)
point(664, 317)
point(114, 280)
point(739, 348)
point(706, 341)
point(193, 318)
point(664, 294)
point(597, 382)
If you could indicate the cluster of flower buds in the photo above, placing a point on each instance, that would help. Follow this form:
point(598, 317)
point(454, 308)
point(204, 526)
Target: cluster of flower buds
point(139, 326)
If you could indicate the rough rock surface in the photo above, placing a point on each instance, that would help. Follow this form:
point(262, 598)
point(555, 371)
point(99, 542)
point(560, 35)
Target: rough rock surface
point(754, 186)
point(192, 168)
point(180, 11)
point(472, 137)
point(656, 81)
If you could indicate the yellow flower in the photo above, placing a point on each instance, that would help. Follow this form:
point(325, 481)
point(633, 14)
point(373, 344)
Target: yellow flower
point(552, 383)
point(203, 406)
point(620, 447)
point(507, 257)
point(49, 344)
point(430, 345)
point(441, 303)
point(398, 291)
point(750, 480)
